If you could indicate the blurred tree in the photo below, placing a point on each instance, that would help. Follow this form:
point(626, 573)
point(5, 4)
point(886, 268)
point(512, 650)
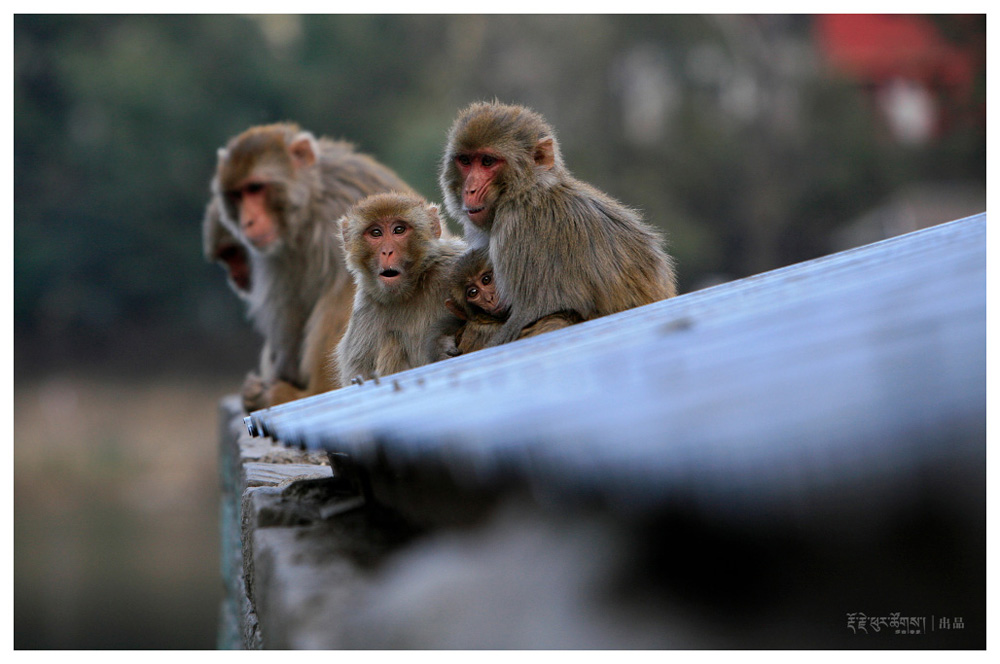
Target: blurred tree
point(727, 131)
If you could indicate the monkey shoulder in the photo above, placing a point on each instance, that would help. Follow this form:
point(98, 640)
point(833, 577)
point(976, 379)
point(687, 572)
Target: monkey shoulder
point(334, 147)
point(452, 248)
point(441, 262)
point(606, 221)
point(353, 175)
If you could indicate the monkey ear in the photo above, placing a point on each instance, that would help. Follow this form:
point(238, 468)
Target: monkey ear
point(343, 224)
point(303, 150)
point(545, 153)
point(455, 309)
point(432, 212)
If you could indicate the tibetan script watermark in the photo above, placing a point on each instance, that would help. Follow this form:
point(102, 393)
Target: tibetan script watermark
point(895, 623)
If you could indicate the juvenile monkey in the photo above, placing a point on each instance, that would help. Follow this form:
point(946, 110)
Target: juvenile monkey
point(557, 244)
point(475, 301)
point(401, 265)
point(281, 191)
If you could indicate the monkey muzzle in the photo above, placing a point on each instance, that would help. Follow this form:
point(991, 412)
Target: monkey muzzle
point(261, 240)
point(476, 215)
point(389, 275)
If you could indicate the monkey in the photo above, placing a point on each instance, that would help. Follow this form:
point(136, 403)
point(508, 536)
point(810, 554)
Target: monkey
point(401, 266)
point(473, 284)
point(221, 246)
point(557, 244)
point(474, 300)
point(281, 192)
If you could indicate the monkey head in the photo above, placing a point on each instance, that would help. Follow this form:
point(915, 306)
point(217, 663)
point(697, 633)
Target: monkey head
point(481, 292)
point(220, 246)
point(386, 238)
point(495, 151)
point(474, 288)
point(265, 177)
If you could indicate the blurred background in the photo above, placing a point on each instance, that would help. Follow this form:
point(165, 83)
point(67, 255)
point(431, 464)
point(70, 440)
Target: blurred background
point(752, 141)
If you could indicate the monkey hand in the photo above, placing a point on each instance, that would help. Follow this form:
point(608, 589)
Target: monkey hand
point(253, 392)
point(448, 347)
point(282, 392)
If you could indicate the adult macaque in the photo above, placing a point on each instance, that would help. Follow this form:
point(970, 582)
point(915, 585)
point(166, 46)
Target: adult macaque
point(556, 243)
point(222, 247)
point(282, 191)
point(401, 267)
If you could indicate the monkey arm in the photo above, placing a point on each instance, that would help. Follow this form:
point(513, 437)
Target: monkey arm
point(509, 331)
point(353, 357)
point(549, 323)
point(477, 333)
point(543, 297)
point(323, 331)
point(447, 346)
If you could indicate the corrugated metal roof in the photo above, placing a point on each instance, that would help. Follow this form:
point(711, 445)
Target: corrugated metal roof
point(864, 366)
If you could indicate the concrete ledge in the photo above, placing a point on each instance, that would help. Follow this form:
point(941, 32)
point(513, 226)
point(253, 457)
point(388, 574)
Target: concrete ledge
point(794, 460)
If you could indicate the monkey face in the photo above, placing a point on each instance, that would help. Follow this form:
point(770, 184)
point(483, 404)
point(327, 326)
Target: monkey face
point(391, 256)
point(481, 292)
point(258, 224)
point(234, 257)
point(222, 246)
point(261, 173)
point(478, 172)
point(386, 239)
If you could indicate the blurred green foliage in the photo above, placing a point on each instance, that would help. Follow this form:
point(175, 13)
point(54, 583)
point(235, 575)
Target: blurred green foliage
point(728, 132)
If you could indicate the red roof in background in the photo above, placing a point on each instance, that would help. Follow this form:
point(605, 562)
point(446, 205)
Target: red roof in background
point(878, 47)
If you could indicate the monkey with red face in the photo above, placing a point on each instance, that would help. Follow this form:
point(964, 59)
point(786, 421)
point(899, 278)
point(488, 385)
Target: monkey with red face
point(401, 266)
point(280, 190)
point(221, 246)
point(558, 245)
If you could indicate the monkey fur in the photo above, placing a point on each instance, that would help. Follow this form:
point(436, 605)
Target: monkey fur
point(557, 244)
point(300, 292)
point(397, 326)
point(480, 325)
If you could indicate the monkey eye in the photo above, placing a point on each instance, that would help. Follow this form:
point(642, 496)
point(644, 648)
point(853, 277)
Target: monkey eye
point(463, 159)
point(254, 188)
point(471, 292)
point(487, 278)
point(375, 232)
point(399, 229)
point(488, 160)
